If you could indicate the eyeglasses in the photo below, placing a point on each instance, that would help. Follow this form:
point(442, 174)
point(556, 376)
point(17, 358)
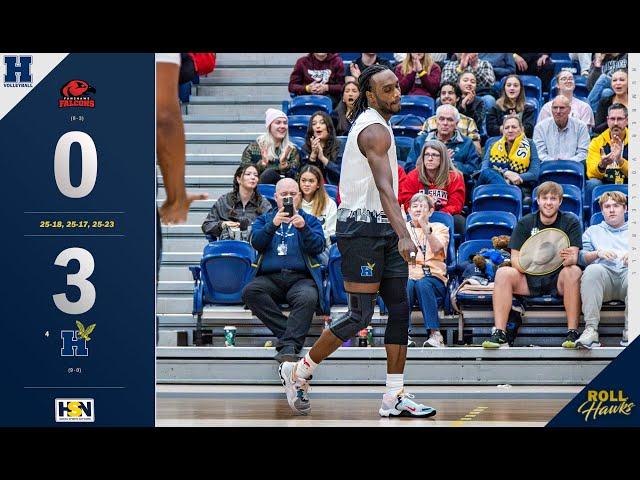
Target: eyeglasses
point(565, 79)
point(287, 194)
point(617, 119)
point(431, 155)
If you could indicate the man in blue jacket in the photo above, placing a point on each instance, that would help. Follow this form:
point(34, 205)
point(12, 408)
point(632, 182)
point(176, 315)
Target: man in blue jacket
point(288, 271)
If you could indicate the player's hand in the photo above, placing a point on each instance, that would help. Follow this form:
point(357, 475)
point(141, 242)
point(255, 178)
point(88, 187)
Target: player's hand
point(176, 212)
point(406, 247)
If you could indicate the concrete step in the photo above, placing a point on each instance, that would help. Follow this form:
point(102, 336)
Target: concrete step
point(204, 180)
point(182, 230)
point(176, 286)
point(174, 303)
point(196, 218)
point(246, 76)
point(223, 170)
point(175, 273)
point(256, 128)
point(216, 148)
point(257, 60)
point(184, 244)
point(237, 118)
point(233, 108)
point(197, 206)
point(243, 138)
point(180, 258)
point(263, 90)
point(213, 158)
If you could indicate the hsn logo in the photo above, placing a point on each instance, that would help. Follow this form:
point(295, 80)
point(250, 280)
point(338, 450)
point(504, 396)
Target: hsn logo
point(75, 410)
point(18, 71)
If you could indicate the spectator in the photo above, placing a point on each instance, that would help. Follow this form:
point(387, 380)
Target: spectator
point(605, 253)
point(460, 148)
point(288, 271)
point(450, 95)
point(318, 74)
point(599, 82)
point(482, 70)
point(428, 275)
point(620, 86)
point(608, 152)
point(361, 63)
point(511, 102)
point(321, 146)
point(579, 109)
point(236, 210)
point(418, 74)
point(339, 115)
point(511, 159)
point(272, 153)
point(584, 59)
point(564, 280)
point(538, 64)
point(561, 137)
point(317, 202)
point(437, 176)
point(503, 63)
point(469, 104)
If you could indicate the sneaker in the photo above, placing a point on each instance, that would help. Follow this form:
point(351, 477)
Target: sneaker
point(435, 340)
point(625, 338)
point(497, 339)
point(295, 388)
point(588, 339)
point(624, 343)
point(570, 341)
point(286, 354)
point(402, 405)
point(411, 342)
point(513, 325)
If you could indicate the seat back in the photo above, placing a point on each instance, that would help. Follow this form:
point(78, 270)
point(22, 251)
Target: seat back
point(447, 220)
point(298, 125)
point(338, 293)
point(564, 172)
point(484, 225)
point(403, 148)
point(571, 200)
point(421, 105)
point(409, 125)
point(600, 189)
point(226, 269)
point(332, 190)
point(309, 104)
point(268, 191)
point(506, 198)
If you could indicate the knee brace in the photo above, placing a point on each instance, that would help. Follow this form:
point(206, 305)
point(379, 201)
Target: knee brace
point(394, 294)
point(358, 316)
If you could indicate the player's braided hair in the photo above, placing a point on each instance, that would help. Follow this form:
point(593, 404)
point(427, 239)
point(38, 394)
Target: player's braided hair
point(364, 82)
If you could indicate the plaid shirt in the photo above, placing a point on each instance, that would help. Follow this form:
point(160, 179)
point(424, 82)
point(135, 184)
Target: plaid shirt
point(484, 74)
point(253, 156)
point(466, 126)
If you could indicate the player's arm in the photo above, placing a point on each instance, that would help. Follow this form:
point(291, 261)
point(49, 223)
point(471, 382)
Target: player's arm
point(374, 143)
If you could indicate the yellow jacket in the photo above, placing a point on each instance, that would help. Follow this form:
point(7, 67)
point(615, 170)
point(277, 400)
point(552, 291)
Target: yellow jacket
point(593, 157)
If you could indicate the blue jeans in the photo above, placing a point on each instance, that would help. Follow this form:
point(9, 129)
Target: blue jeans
point(600, 90)
point(430, 292)
point(490, 176)
point(489, 101)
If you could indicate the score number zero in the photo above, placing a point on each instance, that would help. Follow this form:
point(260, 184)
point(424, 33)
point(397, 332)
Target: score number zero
point(87, 182)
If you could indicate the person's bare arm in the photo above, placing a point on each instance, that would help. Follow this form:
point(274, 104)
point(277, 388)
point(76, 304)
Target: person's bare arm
point(170, 145)
point(374, 142)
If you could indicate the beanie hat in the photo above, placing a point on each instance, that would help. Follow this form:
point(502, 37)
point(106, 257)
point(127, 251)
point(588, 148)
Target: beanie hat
point(272, 114)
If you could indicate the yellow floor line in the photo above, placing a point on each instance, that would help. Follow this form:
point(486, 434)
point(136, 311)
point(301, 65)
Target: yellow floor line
point(469, 416)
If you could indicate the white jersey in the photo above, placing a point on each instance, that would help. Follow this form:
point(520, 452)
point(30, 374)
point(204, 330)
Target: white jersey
point(360, 209)
point(168, 58)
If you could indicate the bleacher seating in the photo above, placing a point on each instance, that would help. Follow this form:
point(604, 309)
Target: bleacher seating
point(600, 189)
point(403, 148)
point(309, 104)
point(484, 225)
point(298, 125)
point(268, 191)
point(565, 172)
point(420, 105)
point(506, 198)
point(332, 190)
point(409, 125)
point(299, 143)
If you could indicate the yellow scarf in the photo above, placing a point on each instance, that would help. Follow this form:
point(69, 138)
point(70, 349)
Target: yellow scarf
point(518, 158)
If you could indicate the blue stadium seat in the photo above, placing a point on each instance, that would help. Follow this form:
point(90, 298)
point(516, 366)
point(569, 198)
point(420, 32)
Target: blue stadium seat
point(299, 143)
point(332, 190)
point(484, 225)
point(572, 66)
point(342, 142)
point(466, 249)
point(403, 148)
point(226, 267)
point(560, 56)
point(532, 87)
point(309, 104)
point(421, 105)
point(349, 56)
point(598, 217)
point(298, 125)
point(506, 198)
point(580, 92)
point(536, 107)
point(447, 220)
point(565, 172)
point(409, 125)
point(184, 92)
point(571, 200)
point(336, 282)
point(600, 189)
point(268, 191)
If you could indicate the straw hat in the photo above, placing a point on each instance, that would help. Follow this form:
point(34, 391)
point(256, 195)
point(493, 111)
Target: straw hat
point(540, 254)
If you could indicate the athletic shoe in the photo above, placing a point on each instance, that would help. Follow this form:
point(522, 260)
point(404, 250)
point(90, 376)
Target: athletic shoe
point(625, 338)
point(497, 339)
point(296, 388)
point(570, 341)
point(435, 340)
point(402, 405)
point(588, 339)
point(411, 342)
point(513, 325)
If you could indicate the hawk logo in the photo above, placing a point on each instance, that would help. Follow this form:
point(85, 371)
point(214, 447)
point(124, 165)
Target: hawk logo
point(85, 332)
point(18, 71)
point(367, 270)
point(74, 94)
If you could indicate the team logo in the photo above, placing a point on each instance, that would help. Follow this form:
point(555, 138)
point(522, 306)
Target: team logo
point(74, 342)
point(18, 71)
point(605, 402)
point(75, 410)
point(367, 270)
point(75, 94)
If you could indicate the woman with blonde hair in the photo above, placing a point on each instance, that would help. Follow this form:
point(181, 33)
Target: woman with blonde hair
point(511, 102)
point(418, 74)
point(272, 153)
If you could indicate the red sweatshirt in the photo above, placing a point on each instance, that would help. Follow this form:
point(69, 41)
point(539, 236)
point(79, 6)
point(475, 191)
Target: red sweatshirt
point(411, 84)
point(309, 69)
point(451, 198)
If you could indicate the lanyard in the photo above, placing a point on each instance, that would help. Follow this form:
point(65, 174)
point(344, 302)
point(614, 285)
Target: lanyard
point(423, 246)
point(283, 233)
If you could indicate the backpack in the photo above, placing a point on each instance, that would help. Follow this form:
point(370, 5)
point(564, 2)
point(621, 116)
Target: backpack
point(204, 62)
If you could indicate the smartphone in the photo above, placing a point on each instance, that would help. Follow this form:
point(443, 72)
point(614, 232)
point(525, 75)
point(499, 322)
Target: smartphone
point(287, 203)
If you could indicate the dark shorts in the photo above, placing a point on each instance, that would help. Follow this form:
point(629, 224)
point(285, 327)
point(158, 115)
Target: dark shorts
point(543, 284)
point(370, 259)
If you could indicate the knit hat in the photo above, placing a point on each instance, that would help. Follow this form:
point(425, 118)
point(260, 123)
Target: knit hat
point(272, 114)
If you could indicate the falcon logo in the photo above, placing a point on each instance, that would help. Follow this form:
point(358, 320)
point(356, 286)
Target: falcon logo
point(74, 94)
